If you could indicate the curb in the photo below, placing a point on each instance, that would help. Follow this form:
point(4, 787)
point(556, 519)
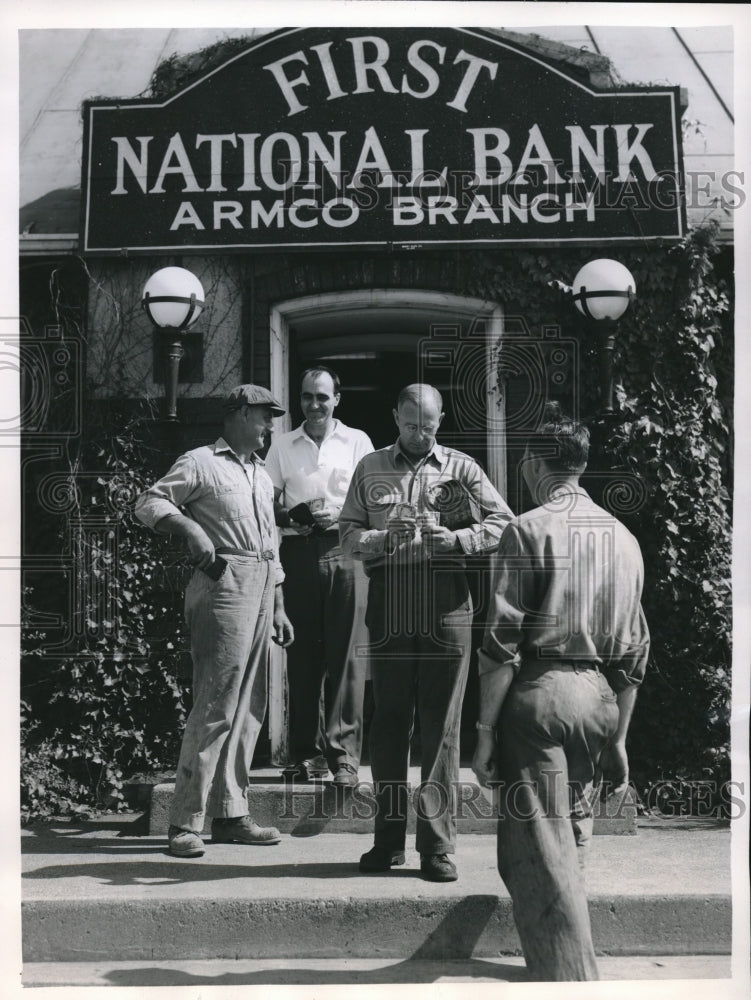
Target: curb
point(415, 928)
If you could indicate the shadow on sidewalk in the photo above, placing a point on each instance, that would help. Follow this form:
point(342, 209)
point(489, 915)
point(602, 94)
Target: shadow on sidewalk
point(406, 971)
point(93, 845)
point(172, 871)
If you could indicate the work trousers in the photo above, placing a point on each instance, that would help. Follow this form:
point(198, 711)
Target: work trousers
point(230, 622)
point(319, 597)
point(419, 622)
point(555, 722)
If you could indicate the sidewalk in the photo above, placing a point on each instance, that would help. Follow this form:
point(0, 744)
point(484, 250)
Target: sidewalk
point(353, 972)
point(98, 889)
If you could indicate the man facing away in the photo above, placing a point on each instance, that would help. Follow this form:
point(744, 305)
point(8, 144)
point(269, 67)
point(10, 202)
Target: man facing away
point(419, 617)
point(564, 652)
point(219, 499)
point(312, 465)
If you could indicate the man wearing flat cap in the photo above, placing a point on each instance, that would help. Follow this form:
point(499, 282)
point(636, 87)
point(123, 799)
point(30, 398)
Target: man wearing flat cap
point(220, 499)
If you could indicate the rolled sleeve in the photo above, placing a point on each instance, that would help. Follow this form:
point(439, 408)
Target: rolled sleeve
point(630, 668)
point(357, 538)
point(167, 495)
point(486, 534)
point(278, 569)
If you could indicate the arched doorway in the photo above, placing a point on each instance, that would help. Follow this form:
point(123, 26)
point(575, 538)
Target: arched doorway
point(378, 341)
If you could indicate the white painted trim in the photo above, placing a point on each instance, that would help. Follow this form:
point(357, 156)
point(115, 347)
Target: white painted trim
point(278, 691)
point(279, 364)
point(35, 244)
point(418, 300)
point(496, 411)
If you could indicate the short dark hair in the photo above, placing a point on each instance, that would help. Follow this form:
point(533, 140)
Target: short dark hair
point(322, 370)
point(561, 441)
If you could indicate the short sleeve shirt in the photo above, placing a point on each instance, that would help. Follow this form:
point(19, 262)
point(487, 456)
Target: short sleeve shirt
point(303, 471)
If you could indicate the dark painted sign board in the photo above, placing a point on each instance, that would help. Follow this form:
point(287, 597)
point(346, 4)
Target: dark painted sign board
point(404, 137)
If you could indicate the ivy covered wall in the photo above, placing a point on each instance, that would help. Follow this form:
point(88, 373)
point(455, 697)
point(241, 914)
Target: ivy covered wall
point(671, 438)
point(111, 700)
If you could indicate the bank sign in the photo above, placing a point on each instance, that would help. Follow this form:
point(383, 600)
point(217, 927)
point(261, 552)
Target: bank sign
point(384, 137)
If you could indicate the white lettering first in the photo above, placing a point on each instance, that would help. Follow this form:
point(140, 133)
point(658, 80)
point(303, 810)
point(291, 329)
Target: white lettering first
point(370, 57)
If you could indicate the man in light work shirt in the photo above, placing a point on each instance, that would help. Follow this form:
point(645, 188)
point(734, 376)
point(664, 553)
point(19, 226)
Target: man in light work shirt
point(419, 617)
point(312, 465)
point(220, 500)
point(564, 652)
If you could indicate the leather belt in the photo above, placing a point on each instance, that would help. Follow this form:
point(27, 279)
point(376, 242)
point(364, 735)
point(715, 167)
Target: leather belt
point(542, 663)
point(226, 550)
point(330, 533)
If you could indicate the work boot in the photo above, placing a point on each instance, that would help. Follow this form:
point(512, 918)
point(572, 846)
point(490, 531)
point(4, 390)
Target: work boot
point(438, 868)
point(345, 775)
point(243, 830)
point(380, 859)
point(184, 843)
point(306, 770)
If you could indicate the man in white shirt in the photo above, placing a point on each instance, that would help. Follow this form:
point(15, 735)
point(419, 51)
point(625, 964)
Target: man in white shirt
point(311, 468)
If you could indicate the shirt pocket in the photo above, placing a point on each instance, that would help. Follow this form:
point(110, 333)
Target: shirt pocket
point(338, 481)
point(232, 502)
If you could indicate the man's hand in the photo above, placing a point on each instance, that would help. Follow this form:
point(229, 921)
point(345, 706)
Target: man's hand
point(400, 530)
point(439, 539)
point(284, 634)
point(326, 518)
point(614, 767)
point(301, 529)
point(200, 547)
point(483, 762)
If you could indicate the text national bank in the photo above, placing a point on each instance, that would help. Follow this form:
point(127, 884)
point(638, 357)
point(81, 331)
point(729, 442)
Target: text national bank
point(451, 134)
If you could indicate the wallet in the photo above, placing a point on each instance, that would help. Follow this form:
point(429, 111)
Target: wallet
point(302, 514)
point(216, 568)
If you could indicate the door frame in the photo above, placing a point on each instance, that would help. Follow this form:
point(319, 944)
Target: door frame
point(439, 304)
point(283, 314)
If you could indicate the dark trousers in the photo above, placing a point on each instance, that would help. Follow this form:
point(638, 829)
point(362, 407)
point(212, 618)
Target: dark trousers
point(419, 623)
point(554, 725)
point(319, 597)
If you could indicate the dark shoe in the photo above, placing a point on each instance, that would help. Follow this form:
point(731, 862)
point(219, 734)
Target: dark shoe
point(345, 775)
point(243, 830)
point(184, 843)
point(306, 770)
point(380, 859)
point(438, 868)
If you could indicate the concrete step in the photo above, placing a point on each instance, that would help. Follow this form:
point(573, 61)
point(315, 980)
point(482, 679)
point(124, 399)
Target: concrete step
point(89, 893)
point(351, 971)
point(319, 806)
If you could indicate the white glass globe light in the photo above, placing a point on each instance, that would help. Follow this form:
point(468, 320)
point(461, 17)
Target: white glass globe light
point(603, 288)
point(173, 297)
